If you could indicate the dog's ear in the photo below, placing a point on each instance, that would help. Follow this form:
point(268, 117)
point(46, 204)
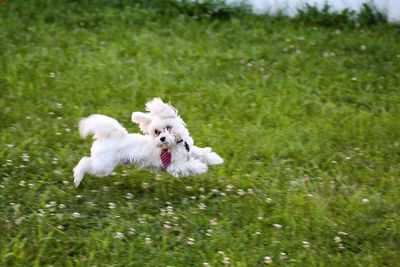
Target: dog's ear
point(142, 119)
point(157, 107)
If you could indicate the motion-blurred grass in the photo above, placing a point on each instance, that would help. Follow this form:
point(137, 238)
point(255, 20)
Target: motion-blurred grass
point(306, 118)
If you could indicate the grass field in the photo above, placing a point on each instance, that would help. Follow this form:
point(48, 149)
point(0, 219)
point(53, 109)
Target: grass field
point(306, 117)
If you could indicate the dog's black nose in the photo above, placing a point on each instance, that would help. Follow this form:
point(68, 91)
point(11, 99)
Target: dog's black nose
point(162, 139)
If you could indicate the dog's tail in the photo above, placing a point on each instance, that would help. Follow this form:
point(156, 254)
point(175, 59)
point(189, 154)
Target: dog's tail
point(101, 126)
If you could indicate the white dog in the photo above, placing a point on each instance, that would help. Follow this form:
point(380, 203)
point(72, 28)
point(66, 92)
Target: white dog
point(165, 145)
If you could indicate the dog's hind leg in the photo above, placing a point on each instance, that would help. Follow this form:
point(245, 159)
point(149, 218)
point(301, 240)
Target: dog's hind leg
point(80, 169)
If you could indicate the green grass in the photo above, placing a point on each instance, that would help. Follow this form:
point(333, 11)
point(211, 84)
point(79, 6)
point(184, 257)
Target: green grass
point(306, 118)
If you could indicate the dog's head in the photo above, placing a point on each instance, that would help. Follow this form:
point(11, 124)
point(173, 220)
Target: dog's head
point(162, 123)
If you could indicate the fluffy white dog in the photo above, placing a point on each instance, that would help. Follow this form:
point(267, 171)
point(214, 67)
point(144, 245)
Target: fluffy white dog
point(165, 145)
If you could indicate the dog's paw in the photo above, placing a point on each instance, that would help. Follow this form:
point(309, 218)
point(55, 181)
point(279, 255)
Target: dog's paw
point(198, 167)
point(214, 159)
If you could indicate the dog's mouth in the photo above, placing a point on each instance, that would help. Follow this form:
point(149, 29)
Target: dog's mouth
point(166, 141)
point(164, 144)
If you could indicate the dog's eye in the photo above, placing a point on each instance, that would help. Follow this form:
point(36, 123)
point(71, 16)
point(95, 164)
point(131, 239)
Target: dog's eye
point(168, 128)
point(157, 132)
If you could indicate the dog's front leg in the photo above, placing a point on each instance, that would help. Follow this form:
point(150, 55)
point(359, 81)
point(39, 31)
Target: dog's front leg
point(206, 155)
point(186, 168)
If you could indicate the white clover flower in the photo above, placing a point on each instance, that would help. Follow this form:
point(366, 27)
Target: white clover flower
point(226, 261)
point(283, 256)
point(22, 183)
point(111, 205)
point(9, 145)
point(162, 212)
point(25, 157)
point(188, 188)
point(52, 75)
point(76, 215)
point(31, 185)
point(250, 191)
point(277, 226)
point(229, 188)
point(337, 239)
point(306, 244)
point(41, 213)
point(260, 218)
point(222, 194)
point(61, 206)
point(213, 221)
point(65, 182)
point(131, 231)
point(209, 232)
point(78, 196)
point(206, 264)
point(129, 196)
point(145, 185)
point(202, 206)
point(147, 240)
point(190, 241)
point(267, 260)
point(241, 192)
point(365, 200)
point(215, 191)
point(201, 189)
point(119, 235)
point(167, 225)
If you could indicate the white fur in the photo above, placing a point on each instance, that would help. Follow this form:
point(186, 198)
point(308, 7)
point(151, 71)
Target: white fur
point(113, 145)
